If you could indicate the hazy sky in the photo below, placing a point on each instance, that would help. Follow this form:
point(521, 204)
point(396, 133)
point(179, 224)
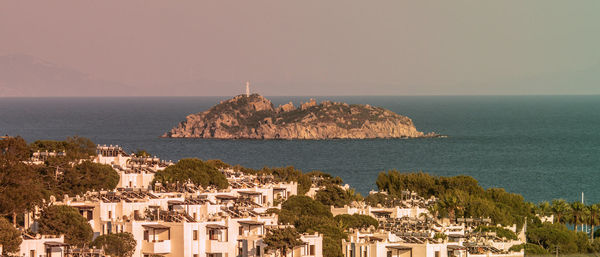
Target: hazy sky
point(345, 47)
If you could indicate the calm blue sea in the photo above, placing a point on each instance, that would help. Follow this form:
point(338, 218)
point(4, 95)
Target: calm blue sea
point(543, 147)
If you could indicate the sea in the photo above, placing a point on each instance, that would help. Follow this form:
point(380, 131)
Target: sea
point(543, 147)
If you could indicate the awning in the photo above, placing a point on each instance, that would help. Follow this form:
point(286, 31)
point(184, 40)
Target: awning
point(399, 247)
point(249, 193)
point(83, 207)
point(456, 247)
point(215, 226)
point(381, 212)
point(55, 244)
point(155, 226)
point(225, 197)
point(251, 222)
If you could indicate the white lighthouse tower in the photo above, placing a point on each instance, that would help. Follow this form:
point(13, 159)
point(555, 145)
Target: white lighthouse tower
point(248, 88)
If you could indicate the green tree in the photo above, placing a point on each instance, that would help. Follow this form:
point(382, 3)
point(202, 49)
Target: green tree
point(282, 239)
point(10, 237)
point(560, 209)
point(142, 153)
point(218, 164)
point(333, 195)
point(310, 216)
point(20, 188)
point(65, 220)
point(577, 213)
point(75, 147)
point(356, 221)
point(14, 149)
point(449, 203)
point(594, 218)
point(117, 245)
point(87, 176)
point(193, 170)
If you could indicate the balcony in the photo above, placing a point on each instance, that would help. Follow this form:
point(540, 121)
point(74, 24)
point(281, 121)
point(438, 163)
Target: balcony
point(157, 247)
point(214, 246)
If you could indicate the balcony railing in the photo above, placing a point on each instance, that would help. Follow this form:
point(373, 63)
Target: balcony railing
point(158, 247)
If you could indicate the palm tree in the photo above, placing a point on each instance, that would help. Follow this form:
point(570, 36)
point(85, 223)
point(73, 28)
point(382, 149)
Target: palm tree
point(577, 213)
point(544, 209)
point(560, 208)
point(594, 217)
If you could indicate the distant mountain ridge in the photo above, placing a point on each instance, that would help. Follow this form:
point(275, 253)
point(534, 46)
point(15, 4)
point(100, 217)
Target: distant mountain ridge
point(27, 76)
point(255, 117)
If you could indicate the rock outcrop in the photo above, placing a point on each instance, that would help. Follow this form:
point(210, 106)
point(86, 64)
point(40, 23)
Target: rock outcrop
point(255, 117)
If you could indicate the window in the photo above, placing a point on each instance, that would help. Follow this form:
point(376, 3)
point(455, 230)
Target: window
point(195, 236)
point(31, 253)
point(241, 230)
point(311, 250)
point(258, 250)
point(213, 234)
point(194, 216)
point(109, 214)
point(146, 235)
point(365, 251)
point(437, 253)
point(195, 255)
point(389, 253)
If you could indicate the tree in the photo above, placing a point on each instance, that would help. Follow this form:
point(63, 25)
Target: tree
point(449, 203)
point(10, 237)
point(66, 220)
point(544, 209)
point(75, 147)
point(594, 217)
point(310, 216)
point(282, 239)
point(333, 195)
point(356, 221)
point(20, 188)
point(193, 170)
point(577, 213)
point(142, 153)
point(88, 176)
point(560, 209)
point(14, 149)
point(117, 245)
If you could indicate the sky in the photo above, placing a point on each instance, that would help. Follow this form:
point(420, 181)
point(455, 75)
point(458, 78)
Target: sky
point(312, 47)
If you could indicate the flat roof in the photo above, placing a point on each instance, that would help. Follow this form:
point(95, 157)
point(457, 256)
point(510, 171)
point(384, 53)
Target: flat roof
point(155, 226)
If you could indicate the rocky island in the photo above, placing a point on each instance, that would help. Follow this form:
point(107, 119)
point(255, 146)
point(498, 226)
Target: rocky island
point(254, 117)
